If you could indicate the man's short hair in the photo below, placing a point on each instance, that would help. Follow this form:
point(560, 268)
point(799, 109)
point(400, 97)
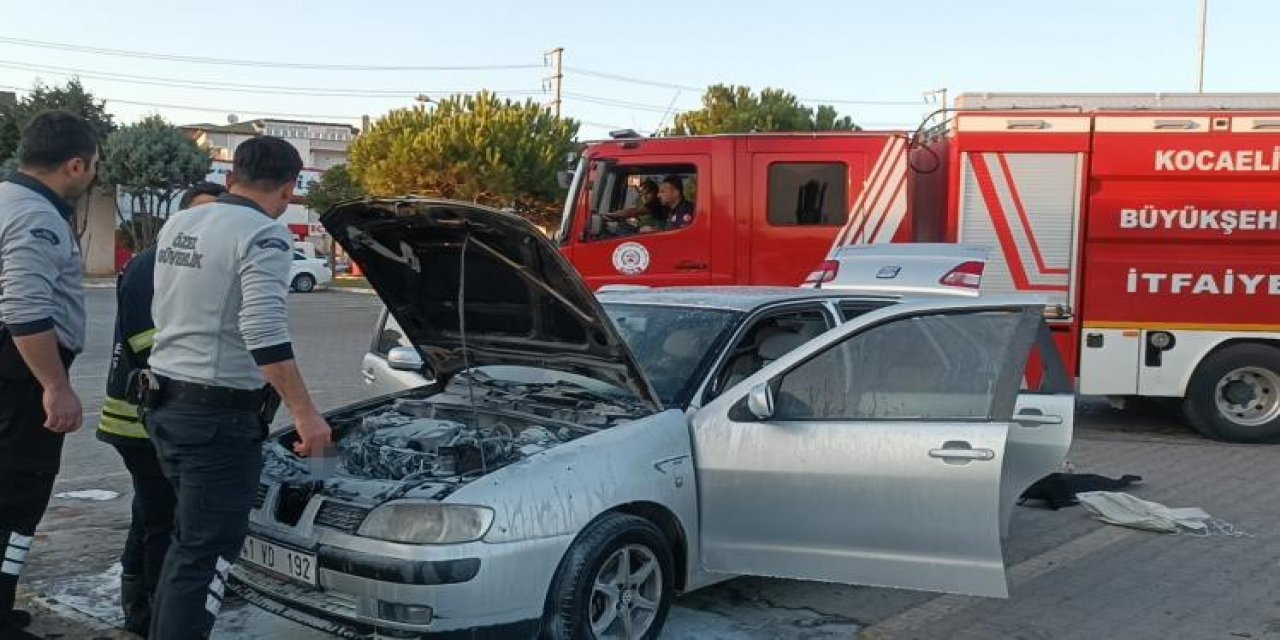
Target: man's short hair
point(200, 189)
point(675, 182)
point(54, 137)
point(266, 162)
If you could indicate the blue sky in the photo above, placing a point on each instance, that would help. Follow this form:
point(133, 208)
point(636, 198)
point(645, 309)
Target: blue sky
point(852, 50)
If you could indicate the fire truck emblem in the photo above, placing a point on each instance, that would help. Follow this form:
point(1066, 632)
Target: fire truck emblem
point(631, 258)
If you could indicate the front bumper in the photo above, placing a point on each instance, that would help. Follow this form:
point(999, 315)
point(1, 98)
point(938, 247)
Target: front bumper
point(476, 589)
point(337, 614)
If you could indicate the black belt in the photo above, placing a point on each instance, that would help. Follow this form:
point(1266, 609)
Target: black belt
point(210, 396)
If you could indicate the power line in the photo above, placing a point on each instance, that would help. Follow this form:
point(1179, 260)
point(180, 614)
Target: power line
point(682, 87)
point(302, 91)
point(618, 78)
point(614, 103)
point(244, 88)
point(62, 46)
point(209, 109)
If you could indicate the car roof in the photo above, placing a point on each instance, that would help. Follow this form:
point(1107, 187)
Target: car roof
point(743, 298)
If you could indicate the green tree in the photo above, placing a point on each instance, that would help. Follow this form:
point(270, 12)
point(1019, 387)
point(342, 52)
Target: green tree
point(70, 97)
point(735, 109)
point(334, 186)
point(500, 153)
point(151, 163)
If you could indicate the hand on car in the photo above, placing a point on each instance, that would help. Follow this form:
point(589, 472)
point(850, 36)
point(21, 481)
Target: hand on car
point(314, 436)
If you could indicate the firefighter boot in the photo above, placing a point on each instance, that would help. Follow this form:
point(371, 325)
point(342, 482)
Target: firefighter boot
point(136, 602)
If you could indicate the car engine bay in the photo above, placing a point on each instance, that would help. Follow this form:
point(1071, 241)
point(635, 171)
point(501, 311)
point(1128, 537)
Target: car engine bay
point(442, 440)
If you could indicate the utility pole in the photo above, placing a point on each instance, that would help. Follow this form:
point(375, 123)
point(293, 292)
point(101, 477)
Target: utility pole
point(1204, 21)
point(938, 95)
point(557, 75)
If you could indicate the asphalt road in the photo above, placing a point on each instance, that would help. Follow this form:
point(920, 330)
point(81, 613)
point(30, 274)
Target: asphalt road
point(1070, 576)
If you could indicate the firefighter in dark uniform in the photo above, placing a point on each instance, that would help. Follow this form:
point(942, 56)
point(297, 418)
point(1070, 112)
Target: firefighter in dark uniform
point(42, 323)
point(152, 519)
point(678, 212)
point(222, 350)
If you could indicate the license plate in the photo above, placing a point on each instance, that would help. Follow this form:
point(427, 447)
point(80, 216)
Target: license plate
point(295, 565)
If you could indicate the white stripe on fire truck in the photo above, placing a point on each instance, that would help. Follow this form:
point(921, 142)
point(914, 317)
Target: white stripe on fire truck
point(867, 211)
point(895, 208)
point(857, 213)
point(1024, 235)
point(1024, 243)
point(877, 207)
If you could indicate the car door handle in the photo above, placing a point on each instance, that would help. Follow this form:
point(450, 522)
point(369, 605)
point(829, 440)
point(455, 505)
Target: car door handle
point(959, 452)
point(368, 375)
point(690, 265)
point(1036, 419)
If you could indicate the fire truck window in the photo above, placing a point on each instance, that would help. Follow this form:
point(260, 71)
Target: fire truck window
point(630, 203)
point(808, 193)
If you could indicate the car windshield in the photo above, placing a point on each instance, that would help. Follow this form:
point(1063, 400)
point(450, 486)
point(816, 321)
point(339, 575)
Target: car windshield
point(673, 345)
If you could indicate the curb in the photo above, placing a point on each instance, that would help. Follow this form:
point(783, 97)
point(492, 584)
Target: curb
point(355, 290)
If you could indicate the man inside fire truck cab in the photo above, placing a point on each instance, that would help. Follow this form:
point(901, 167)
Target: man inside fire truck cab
point(646, 216)
point(678, 211)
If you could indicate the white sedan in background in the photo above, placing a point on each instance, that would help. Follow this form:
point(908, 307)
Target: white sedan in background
point(914, 268)
point(308, 273)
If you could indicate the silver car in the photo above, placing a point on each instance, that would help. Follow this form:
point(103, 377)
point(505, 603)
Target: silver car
point(575, 464)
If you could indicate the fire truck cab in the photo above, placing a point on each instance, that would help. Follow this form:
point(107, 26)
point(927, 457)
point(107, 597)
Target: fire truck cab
point(765, 207)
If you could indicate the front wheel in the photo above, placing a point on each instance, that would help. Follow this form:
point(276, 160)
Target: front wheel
point(1235, 394)
point(304, 283)
point(615, 582)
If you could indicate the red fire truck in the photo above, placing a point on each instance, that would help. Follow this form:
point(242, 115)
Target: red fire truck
point(1153, 219)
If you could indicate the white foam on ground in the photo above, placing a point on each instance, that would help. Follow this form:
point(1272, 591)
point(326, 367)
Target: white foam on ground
point(95, 495)
point(95, 595)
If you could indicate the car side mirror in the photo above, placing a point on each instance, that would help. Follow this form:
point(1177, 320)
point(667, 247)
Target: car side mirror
point(404, 359)
point(760, 401)
point(565, 179)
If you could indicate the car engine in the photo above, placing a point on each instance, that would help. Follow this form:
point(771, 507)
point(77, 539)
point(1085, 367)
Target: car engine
point(408, 442)
point(431, 442)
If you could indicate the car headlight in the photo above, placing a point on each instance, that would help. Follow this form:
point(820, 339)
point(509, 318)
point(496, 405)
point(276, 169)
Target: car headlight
point(427, 523)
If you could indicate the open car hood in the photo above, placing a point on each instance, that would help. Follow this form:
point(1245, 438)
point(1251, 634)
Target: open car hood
point(524, 303)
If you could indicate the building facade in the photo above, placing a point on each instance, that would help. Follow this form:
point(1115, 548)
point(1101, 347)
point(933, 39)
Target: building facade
point(322, 145)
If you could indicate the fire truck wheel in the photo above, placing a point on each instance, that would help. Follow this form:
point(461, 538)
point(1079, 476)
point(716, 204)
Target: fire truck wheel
point(1235, 394)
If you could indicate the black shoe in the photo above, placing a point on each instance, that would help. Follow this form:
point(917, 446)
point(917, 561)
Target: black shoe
point(19, 619)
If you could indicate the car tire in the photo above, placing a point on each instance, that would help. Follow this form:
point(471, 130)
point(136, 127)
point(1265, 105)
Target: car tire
point(578, 610)
point(1234, 394)
point(304, 283)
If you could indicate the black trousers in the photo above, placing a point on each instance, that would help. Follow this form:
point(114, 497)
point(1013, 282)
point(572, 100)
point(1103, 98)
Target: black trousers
point(29, 459)
point(213, 458)
point(151, 526)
